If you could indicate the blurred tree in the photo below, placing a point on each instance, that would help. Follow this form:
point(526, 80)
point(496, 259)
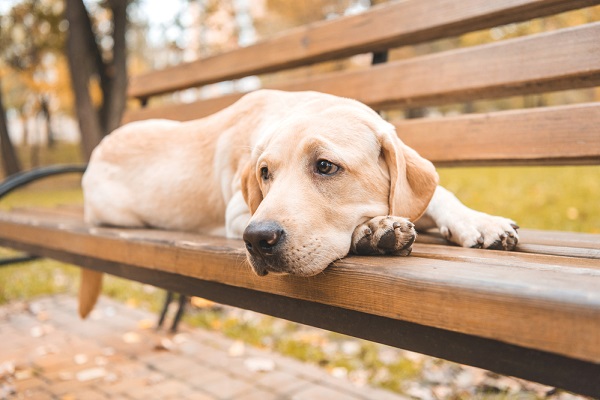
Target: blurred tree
point(97, 59)
point(29, 33)
point(10, 162)
point(284, 14)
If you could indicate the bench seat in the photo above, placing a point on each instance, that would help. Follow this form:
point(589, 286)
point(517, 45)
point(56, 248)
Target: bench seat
point(467, 305)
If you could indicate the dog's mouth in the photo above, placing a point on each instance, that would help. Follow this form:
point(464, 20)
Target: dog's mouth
point(263, 266)
point(259, 268)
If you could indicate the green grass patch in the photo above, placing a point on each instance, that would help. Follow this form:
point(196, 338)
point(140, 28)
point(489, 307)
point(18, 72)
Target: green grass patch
point(43, 197)
point(554, 198)
point(36, 278)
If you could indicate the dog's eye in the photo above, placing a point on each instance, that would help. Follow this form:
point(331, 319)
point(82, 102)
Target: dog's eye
point(264, 173)
point(325, 167)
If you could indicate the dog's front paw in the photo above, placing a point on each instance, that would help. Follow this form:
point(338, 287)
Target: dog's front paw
point(384, 235)
point(480, 230)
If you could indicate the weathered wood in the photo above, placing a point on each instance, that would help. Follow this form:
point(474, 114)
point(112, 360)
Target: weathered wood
point(544, 367)
point(383, 27)
point(513, 298)
point(548, 135)
point(568, 58)
point(182, 111)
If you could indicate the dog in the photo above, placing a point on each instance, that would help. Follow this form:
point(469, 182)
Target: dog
point(304, 178)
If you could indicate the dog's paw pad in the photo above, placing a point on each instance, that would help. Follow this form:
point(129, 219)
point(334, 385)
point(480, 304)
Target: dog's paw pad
point(384, 235)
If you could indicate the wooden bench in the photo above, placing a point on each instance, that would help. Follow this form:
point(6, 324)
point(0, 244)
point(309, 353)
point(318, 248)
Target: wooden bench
point(533, 313)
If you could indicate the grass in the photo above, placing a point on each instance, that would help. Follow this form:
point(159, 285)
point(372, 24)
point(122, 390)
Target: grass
point(556, 198)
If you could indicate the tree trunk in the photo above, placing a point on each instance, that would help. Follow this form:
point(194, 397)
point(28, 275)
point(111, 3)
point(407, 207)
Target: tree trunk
point(10, 162)
point(81, 59)
point(115, 85)
point(86, 63)
point(45, 110)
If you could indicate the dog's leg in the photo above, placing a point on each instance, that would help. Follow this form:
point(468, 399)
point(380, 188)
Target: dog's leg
point(384, 235)
point(466, 227)
point(237, 216)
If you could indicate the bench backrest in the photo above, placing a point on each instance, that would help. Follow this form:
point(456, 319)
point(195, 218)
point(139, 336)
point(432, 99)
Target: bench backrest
point(545, 62)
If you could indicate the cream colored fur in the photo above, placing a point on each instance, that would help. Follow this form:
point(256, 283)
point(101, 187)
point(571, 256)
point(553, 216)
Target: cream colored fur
point(205, 176)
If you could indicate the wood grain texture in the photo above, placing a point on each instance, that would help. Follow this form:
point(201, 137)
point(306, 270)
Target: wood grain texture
point(564, 59)
point(548, 135)
point(383, 27)
point(538, 301)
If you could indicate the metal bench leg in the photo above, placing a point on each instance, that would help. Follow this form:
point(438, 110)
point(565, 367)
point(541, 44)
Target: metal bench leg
point(165, 308)
point(182, 302)
point(180, 310)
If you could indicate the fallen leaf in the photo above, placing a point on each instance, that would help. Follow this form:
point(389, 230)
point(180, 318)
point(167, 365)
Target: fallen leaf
point(237, 349)
point(180, 338)
point(80, 359)
point(257, 364)
point(164, 344)
point(22, 374)
point(339, 372)
point(90, 374)
point(37, 331)
point(145, 324)
point(7, 368)
point(199, 302)
point(132, 337)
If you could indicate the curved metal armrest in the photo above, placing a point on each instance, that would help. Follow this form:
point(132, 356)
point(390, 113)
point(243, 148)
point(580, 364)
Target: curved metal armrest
point(23, 178)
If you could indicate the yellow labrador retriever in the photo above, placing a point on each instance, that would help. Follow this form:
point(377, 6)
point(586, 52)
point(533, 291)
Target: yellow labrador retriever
point(304, 178)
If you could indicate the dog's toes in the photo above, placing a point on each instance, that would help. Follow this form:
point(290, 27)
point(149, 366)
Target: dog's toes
point(483, 231)
point(384, 235)
point(478, 243)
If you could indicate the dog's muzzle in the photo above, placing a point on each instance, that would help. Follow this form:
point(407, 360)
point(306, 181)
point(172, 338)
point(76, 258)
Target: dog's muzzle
point(264, 242)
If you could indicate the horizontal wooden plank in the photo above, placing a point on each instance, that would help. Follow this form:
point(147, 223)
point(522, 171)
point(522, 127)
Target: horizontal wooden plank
point(540, 302)
point(564, 59)
point(182, 111)
point(548, 368)
point(542, 243)
point(567, 58)
point(569, 241)
point(383, 27)
point(548, 135)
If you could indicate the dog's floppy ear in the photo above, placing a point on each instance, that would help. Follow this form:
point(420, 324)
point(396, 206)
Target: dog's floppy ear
point(413, 179)
point(250, 187)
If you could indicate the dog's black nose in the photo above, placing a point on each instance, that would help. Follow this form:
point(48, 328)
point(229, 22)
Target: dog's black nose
point(263, 237)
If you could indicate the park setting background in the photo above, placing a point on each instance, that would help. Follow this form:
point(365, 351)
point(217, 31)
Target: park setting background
point(37, 99)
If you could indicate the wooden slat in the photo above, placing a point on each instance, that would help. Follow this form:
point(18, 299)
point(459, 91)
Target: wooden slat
point(567, 239)
point(549, 135)
point(540, 245)
point(550, 303)
point(547, 368)
point(386, 26)
point(182, 111)
point(564, 59)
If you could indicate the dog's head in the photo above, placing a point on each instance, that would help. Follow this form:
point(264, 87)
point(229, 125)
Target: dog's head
point(320, 172)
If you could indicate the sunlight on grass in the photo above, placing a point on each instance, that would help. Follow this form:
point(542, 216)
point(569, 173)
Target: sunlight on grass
point(554, 198)
point(46, 197)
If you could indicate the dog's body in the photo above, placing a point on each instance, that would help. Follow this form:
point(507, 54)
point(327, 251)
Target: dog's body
point(305, 178)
